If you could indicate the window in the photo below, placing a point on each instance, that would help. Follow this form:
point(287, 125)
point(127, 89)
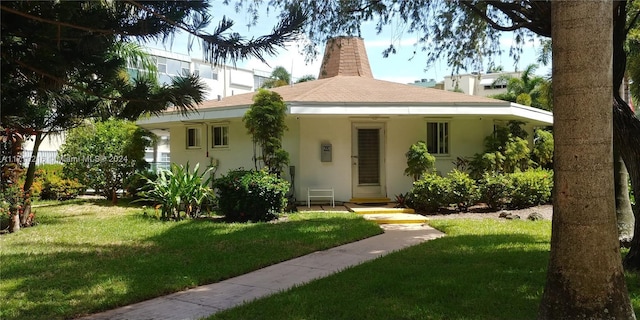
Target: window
point(220, 136)
point(193, 137)
point(438, 138)
point(162, 64)
point(165, 157)
point(206, 71)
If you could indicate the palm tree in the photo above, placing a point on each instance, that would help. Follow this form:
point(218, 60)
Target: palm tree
point(279, 77)
point(529, 89)
point(585, 279)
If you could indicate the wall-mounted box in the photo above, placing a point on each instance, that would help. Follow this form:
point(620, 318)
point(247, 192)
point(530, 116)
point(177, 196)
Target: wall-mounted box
point(325, 152)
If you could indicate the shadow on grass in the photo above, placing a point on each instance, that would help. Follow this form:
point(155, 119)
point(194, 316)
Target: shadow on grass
point(497, 276)
point(73, 279)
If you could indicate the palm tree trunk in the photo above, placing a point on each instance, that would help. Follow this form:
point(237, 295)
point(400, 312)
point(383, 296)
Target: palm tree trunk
point(585, 279)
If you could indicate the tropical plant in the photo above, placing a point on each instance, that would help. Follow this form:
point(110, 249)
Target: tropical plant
point(419, 161)
point(506, 150)
point(265, 122)
point(305, 78)
point(528, 89)
point(179, 192)
point(279, 77)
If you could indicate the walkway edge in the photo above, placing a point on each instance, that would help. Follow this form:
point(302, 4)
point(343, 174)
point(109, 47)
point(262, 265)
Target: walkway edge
point(209, 299)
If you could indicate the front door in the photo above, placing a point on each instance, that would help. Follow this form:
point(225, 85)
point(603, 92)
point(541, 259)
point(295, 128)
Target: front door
point(367, 160)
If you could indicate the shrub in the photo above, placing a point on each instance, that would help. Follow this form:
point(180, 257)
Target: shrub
point(429, 193)
point(494, 190)
point(419, 161)
point(54, 185)
point(463, 190)
point(530, 188)
point(249, 195)
point(56, 188)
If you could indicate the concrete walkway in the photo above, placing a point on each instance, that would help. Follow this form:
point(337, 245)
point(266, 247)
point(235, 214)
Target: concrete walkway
point(208, 299)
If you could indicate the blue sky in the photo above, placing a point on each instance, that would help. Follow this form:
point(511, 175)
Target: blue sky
point(398, 67)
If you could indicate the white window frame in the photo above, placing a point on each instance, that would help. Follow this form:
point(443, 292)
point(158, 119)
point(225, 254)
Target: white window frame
point(223, 128)
point(443, 131)
point(165, 157)
point(198, 138)
point(161, 64)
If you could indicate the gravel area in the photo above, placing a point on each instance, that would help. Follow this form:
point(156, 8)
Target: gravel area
point(480, 213)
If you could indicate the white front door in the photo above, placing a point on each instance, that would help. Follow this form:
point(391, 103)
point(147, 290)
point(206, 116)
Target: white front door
point(367, 160)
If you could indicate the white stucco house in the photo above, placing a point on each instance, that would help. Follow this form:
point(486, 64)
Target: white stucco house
point(347, 130)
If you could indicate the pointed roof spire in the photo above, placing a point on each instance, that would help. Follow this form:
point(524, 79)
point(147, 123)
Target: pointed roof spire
point(345, 56)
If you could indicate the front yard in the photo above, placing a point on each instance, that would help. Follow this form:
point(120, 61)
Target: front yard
point(482, 269)
point(91, 256)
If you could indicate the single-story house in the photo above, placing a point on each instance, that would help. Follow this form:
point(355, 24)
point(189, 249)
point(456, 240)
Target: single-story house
point(347, 131)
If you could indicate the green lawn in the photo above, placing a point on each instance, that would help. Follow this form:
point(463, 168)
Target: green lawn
point(88, 257)
point(483, 269)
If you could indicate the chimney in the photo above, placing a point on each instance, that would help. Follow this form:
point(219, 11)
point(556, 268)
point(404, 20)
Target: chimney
point(345, 56)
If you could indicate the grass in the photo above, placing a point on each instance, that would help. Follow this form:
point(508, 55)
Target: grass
point(88, 257)
point(483, 269)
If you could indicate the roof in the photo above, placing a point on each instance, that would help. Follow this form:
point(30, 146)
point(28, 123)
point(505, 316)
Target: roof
point(358, 90)
point(345, 56)
point(347, 87)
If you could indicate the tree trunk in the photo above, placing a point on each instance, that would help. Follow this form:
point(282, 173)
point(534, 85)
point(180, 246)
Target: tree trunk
point(585, 279)
point(624, 212)
point(626, 127)
point(31, 173)
point(114, 197)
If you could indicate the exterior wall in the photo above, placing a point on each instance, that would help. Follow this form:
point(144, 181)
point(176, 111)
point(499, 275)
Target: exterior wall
point(474, 84)
point(306, 134)
point(314, 173)
point(239, 154)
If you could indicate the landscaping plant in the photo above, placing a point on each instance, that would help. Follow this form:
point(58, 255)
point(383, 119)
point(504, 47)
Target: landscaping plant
point(265, 122)
point(251, 195)
point(429, 193)
point(530, 188)
point(101, 155)
point(495, 190)
point(179, 192)
point(419, 161)
point(463, 191)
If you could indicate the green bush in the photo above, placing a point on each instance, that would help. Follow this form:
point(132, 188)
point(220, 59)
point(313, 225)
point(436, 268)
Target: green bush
point(54, 185)
point(419, 161)
point(463, 191)
point(249, 195)
point(530, 188)
point(179, 191)
point(429, 193)
point(494, 190)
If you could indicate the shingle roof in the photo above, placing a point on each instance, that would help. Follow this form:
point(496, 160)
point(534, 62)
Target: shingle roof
point(345, 56)
point(358, 90)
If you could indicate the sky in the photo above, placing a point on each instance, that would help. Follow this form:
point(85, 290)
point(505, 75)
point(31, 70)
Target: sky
point(399, 67)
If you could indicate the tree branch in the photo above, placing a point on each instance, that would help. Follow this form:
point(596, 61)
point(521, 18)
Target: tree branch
point(55, 23)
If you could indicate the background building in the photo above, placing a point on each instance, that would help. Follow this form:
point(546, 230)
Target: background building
point(221, 81)
point(479, 84)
